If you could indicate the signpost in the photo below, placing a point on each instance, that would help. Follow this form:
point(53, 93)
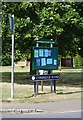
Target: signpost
point(11, 21)
point(45, 77)
point(44, 57)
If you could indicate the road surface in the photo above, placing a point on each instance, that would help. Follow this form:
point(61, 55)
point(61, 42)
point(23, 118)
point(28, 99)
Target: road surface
point(66, 114)
point(61, 109)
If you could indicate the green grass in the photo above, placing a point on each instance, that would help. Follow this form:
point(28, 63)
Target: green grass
point(23, 78)
point(19, 78)
point(16, 69)
point(24, 93)
point(70, 78)
point(68, 87)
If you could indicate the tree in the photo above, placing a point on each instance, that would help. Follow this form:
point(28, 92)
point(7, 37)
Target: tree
point(33, 20)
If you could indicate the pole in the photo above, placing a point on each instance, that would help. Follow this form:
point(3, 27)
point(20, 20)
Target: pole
point(36, 83)
point(60, 64)
point(42, 86)
point(41, 73)
point(54, 86)
point(34, 88)
point(12, 75)
point(51, 73)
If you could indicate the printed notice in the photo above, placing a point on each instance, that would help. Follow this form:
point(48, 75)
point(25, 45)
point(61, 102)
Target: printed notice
point(38, 62)
point(49, 60)
point(55, 62)
point(40, 52)
point(43, 61)
point(36, 53)
point(49, 52)
point(46, 53)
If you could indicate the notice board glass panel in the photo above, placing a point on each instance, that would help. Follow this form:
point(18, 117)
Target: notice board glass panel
point(44, 58)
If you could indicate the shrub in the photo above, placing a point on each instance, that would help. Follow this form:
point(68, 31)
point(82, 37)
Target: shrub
point(77, 61)
point(6, 60)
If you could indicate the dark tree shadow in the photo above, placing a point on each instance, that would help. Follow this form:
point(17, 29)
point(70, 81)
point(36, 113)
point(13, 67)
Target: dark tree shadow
point(64, 93)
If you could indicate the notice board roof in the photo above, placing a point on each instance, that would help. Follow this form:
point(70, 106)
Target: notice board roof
point(45, 41)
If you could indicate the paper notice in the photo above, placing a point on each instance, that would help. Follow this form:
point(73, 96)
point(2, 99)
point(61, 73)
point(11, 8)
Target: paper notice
point(55, 62)
point(40, 52)
point(49, 60)
point(35, 53)
point(43, 61)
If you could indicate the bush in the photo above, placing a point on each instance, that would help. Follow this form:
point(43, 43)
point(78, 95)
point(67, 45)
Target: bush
point(77, 61)
point(81, 61)
point(6, 60)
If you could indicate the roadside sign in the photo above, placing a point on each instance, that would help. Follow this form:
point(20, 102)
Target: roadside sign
point(11, 21)
point(44, 57)
point(45, 77)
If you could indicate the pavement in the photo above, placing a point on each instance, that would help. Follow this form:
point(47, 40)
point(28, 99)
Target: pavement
point(61, 106)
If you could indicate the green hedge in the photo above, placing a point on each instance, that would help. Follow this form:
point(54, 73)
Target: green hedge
point(78, 61)
point(6, 60)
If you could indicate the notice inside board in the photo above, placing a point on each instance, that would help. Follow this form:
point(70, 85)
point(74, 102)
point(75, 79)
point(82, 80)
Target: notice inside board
point(45, 58)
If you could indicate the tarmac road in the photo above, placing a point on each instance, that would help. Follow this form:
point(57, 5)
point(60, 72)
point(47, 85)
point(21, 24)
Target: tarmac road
point(69, 114)
point(61, 109)
point(61, 106)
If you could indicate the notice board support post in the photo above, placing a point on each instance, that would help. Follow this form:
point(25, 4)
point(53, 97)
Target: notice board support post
point(60, 64)
point(42, 86)
point(34, 88)
point(54, 86)
point(37, 74)
point(41, 73)
point(36, 83)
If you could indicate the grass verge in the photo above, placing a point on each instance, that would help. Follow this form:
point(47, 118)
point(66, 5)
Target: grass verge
point(24, 94)
point(68, 87)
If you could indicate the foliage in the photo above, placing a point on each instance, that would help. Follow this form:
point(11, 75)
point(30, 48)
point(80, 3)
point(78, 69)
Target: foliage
point(6, 60)
point(33, 20)
point(77, 61)
point(82, 61)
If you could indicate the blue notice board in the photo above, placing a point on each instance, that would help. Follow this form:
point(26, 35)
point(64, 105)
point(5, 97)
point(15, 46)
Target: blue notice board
point(44, 58)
